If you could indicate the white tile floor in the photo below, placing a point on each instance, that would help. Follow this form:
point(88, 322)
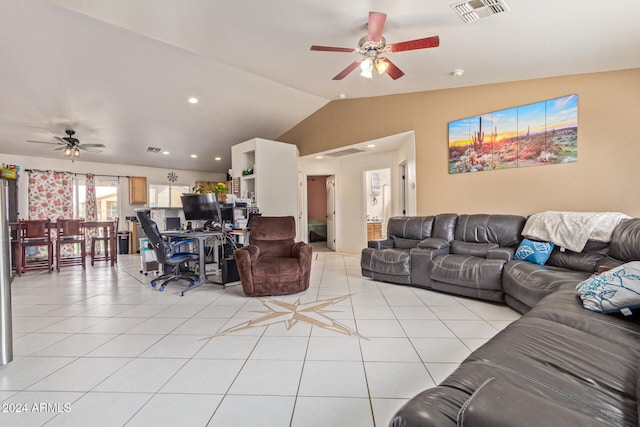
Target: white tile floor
point(103, 348)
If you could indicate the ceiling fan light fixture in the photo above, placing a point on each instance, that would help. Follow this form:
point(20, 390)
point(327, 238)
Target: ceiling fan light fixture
point(67, 152)
point(368, 74)
point(366, 67)
point(381, 65)
point(76, 152)
point(366, 64)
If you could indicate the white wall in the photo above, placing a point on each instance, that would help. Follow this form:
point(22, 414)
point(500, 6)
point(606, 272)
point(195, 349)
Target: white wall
point(154, 176)
point(378, 205)
point(351, 197)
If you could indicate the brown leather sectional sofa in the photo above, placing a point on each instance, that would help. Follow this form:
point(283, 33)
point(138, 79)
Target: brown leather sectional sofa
point(559, 364)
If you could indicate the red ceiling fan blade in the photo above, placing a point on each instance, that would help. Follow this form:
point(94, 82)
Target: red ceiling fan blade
point(344, 73)
point(375, 26)
point(394, 72)
point(332, 49)
point(416, 44)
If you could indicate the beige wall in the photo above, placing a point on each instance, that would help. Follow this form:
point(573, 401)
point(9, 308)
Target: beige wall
point(605, 178)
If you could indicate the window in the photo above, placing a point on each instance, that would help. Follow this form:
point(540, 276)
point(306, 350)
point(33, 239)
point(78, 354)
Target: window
point(107, 195)
point(166, 196)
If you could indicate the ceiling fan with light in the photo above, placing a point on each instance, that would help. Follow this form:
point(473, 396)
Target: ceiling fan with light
point(71, 145)
point(373, 47)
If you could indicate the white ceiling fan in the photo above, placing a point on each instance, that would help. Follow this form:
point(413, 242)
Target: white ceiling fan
point(71, 145)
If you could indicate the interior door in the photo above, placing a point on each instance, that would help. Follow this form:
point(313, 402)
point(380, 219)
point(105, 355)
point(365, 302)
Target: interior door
point(404, 190)
point(331, 212)
point(302, 234)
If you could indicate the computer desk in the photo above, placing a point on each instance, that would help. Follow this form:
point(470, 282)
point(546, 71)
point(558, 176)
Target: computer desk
point(201, 237)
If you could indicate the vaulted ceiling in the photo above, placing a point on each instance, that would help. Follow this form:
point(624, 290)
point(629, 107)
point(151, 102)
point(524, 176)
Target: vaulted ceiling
point(120, 72)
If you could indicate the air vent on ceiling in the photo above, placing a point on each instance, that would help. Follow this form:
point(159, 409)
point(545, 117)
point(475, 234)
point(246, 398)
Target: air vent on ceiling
point(344, 152)
point(472, 10)
point(153, 149)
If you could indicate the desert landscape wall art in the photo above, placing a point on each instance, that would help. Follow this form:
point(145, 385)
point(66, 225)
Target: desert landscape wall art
point(542, 133)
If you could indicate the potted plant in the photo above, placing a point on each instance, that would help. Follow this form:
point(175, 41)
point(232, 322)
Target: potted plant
point(219, 189)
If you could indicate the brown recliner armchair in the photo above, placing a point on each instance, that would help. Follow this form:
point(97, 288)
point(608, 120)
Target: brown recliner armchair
point(273, 263)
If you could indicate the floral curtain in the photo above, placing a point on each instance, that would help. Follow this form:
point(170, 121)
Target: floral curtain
point(91, 209)
point(50, 195)
point(91, 203)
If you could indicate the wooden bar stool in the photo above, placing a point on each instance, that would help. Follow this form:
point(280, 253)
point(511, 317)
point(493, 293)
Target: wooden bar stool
point(34, 233)
point(70, 232)
point(107, 239)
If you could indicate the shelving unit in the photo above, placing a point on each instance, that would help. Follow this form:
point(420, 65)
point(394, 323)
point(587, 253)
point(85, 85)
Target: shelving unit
point(273, 183)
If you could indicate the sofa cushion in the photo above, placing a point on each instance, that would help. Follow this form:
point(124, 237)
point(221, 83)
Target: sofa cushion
point(580, 371)
point(580, 261)
point(564, 306)
point(481, 228)
point(625, 241)
point(286, 269)
point(533, 251)
point(468, 271)
point(393, 262)
point(528, 283)
point(410, 227)
point(473, 249)
point(613, 290)
point(444, 226)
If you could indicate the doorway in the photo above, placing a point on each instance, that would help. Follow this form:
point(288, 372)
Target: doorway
point(321, 212)
point(378, 202)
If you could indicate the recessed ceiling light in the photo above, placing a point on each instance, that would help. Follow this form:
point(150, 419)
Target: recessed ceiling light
point(193, 100)
point(342, 96)
point(318, 157)
point(194, 156)
point(457, 73)
point(371, 145)
point(218, 158)
point(165, 152)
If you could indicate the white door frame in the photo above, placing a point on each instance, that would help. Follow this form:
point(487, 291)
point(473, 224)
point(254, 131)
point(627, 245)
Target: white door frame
point(303, 216)
point(331, 212)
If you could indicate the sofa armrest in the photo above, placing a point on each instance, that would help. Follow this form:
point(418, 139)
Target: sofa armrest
point(245, 257)
point(433, 243)
point(421, 261)
point(501, 253)
point(300, 249)
point(381, 244)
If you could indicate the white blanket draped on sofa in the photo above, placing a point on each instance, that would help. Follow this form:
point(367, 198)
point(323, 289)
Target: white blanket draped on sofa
point(571, 230)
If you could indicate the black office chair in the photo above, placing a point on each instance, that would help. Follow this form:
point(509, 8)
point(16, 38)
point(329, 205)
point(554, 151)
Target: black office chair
point(174, 262)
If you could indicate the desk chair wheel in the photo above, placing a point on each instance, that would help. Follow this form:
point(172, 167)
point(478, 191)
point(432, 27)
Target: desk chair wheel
point(153, 283)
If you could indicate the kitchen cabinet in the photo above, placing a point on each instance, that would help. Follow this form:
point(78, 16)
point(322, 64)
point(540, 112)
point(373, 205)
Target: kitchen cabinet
point(137, 190)
point(374, 230)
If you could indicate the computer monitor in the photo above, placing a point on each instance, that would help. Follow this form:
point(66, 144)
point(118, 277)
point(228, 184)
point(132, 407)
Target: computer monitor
point(226, 211)
point(201, 207)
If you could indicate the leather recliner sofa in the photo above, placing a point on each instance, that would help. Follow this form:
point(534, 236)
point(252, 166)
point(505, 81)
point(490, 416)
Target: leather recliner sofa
point(481, 246)
point(397, 258)
point(464, 254)
point(559, 364)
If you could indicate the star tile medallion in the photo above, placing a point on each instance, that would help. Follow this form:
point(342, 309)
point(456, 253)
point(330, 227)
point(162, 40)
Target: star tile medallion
point(290, 314)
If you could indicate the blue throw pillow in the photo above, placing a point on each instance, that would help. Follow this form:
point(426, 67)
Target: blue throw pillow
point(532, 251)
